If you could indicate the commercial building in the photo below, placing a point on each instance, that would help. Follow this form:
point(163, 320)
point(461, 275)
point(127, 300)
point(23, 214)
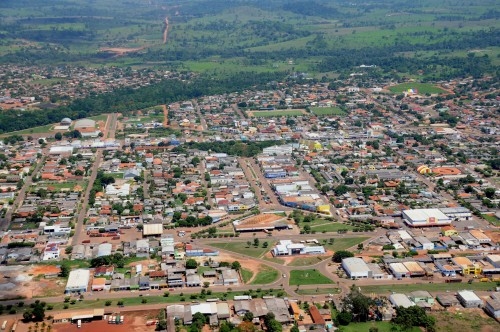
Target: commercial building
point(356, 268)
point(425, 218)
point(469, 299)
point(288, 248)
point(83, 315)
point(78, 281)
point(152, 229)
point(399, 270)
point(468, 267)
point(414, 269)
point(459, 212)
point(494, 260)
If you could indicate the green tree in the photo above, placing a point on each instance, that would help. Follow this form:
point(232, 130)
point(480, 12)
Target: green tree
point(236, 265)
point(248, 317)
point(58, 136)
point(340, 255)
point(191, 264)
point(357, 305)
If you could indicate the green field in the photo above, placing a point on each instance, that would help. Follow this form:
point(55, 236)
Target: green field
point(328, 111)
point(345, 243)
point(266, 275)
point(422, 88)
point(320, 225)
point(34, 130)
point(365, 327)
point(306, 261)
point(491, 219)
point(319, 290)
point(242, 248)
point(260, 114)
point(246, 275)
point(308, 277)
point(434, 287)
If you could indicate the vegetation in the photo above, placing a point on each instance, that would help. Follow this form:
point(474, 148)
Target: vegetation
point(241, 149)
point(340, 255)
point(414, 316)
point(308, 277)
point(266, 275)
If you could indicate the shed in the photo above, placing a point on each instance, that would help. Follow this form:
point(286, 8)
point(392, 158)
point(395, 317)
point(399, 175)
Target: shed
point(493, 307)
point(223, 310)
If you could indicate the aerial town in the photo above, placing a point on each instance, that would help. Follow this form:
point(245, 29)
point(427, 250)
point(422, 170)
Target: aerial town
point(254, 208)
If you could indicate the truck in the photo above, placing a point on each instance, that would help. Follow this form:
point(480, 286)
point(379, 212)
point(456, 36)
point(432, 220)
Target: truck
point(79, 323)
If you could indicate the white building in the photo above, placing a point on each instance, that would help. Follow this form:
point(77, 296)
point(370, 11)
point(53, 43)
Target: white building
point(356, 268)
point(288, 248)
point(116, 190)
point(78, 281)
point(278, 149)
point(400, 300)
point(56, 230)
point(425, 218)
point(51, 252)
point(104, 249)
point(469, 299)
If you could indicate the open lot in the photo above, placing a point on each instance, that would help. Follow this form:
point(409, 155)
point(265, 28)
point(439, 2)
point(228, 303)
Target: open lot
point(241, 247)
point(308, 277)
point(381, 327)
point(308, 260)
point(434, 287)
point(265, 275)
point(345, 243)
point(464, 320)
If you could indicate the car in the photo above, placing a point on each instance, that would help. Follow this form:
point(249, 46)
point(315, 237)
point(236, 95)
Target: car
point(283, 275)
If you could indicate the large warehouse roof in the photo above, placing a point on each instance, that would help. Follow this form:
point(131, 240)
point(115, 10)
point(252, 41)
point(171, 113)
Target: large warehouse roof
point(424, 214)
point(78, 279)
point(84, 123)
point(355, 265)
point(152, 229)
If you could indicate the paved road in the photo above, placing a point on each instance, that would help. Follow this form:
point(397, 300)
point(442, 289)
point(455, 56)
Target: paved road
point(109, 131)
point(5, 222)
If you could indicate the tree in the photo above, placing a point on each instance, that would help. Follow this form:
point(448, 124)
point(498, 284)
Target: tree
point(191, 264)
point(414, 316)
point(162, 321)
point(357, 305)
point(236, 265)
point(340, 255)
point(248, 317)
point(344, 317)
point(489, 192)
point(271, 323)
point(65, 268)
point(256, 242)
point(58, 136)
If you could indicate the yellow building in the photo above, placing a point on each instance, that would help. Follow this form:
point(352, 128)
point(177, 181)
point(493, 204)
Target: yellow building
point(467, 266)
point(449, 231)
point(325, 209)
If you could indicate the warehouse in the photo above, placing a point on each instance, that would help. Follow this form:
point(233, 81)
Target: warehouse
point(494, 260)
point(78, 281)
point(469, 299)
point(414, 269)
point(356, 268)
point(399, 270)
point(460, 213)
point(425, 218)
point(152, 229)
point(400, 300)
point(493, 307)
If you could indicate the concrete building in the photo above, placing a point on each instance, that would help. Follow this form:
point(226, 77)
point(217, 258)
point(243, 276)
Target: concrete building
point(288, 248)
point(356, 268)
point(425, 218)
point(399, 270)
point(422, 296)
point(400, 300)
point(229, 277)
point(51, 252)
point(78, 281)
point(494, 260)
point(492, 307)
point(104, 249)
point(152, 229)
point(469, 299)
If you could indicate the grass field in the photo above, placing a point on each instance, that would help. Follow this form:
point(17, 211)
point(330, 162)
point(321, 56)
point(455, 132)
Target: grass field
point(308, 277)
point(246, 275)
point(463, 320)
point(381, 326)
point(491, 219)
point(259, 114)
point(314, 291)
point(434, 287)
point(304, 261)
point(34, 130)
point(329, 226)
point(241, 247)
point(266, 275)
point(328, 111)
point(345, 243)
point(422, 88)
